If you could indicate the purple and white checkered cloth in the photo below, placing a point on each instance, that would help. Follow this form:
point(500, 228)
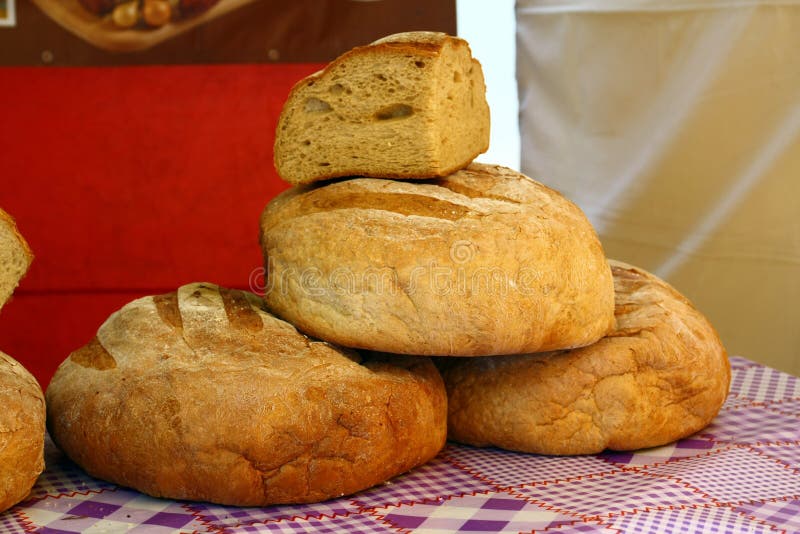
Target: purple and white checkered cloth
point(740, 474)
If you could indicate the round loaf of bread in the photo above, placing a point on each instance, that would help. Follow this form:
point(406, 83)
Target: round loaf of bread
point(484, 261)
point(22, 429)
point(201, 395)
point(662, 375)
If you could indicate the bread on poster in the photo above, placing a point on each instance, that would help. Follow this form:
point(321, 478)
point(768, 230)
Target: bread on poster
point(133, 25)
point(151, 13)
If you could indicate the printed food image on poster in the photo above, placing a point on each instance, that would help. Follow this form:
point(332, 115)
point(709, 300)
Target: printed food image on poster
point(130, 25)
point(7, 13)
point(141, 32)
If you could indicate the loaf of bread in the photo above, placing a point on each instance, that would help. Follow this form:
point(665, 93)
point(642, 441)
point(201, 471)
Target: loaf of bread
point(662, 375)
point(484, 261)
point(15, 256)
point(201, 395)
point(22, 428)
point(411, 105)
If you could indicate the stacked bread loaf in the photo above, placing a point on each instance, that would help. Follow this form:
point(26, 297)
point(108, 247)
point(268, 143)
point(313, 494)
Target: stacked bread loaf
point(22, 412)
point(472, 260)
point(392, 247)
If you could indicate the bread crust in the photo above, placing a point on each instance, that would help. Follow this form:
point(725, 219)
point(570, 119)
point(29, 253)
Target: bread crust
point(383, 154)
point(202, 395)
point(484, 261)
point(22, 428)
point(16, 255)
point(662, 375)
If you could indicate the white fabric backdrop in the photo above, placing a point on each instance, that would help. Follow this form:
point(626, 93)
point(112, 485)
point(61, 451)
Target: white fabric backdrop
point(676, 127)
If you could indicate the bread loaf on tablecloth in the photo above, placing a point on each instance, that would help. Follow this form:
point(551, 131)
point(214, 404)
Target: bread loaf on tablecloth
point(484, 261)
point(202, 395)
point(411, 105)
point(22, 428)
point(661, 375)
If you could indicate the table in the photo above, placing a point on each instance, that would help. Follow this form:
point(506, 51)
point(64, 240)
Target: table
point(740, 474)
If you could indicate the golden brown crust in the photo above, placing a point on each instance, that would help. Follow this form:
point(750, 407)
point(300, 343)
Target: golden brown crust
point(22, 428)
point(662, 375)
point(484, 261)
point(413, 43)
point(210, 398)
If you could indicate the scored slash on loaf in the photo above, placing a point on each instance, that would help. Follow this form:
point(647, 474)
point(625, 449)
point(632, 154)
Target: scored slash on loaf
point(410, 105)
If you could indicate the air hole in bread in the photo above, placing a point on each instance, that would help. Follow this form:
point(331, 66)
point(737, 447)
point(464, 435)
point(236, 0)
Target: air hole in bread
point(324, 164)
point(381, 77)
point(456, 76)
point(395, 111)
point(336, 89)
point(306, 142)
point(419, 64)
point(315, 105)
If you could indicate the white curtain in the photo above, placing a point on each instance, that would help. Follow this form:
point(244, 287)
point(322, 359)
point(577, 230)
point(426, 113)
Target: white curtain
point(676, 127)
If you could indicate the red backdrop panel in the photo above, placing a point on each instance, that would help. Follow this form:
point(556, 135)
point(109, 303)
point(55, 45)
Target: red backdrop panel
point(131, 181)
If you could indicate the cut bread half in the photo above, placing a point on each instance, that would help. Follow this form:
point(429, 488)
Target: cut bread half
point(410, 105)
point(15, 256)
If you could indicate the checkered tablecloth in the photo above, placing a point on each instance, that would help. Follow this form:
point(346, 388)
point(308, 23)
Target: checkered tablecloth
point(740, 474)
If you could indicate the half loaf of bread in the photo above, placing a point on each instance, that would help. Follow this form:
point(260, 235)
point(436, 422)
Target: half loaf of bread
point(484, 261)
point(411, 105)
point(662, 375)
point(22, 428)
point(15, 256)
point(202, 395)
